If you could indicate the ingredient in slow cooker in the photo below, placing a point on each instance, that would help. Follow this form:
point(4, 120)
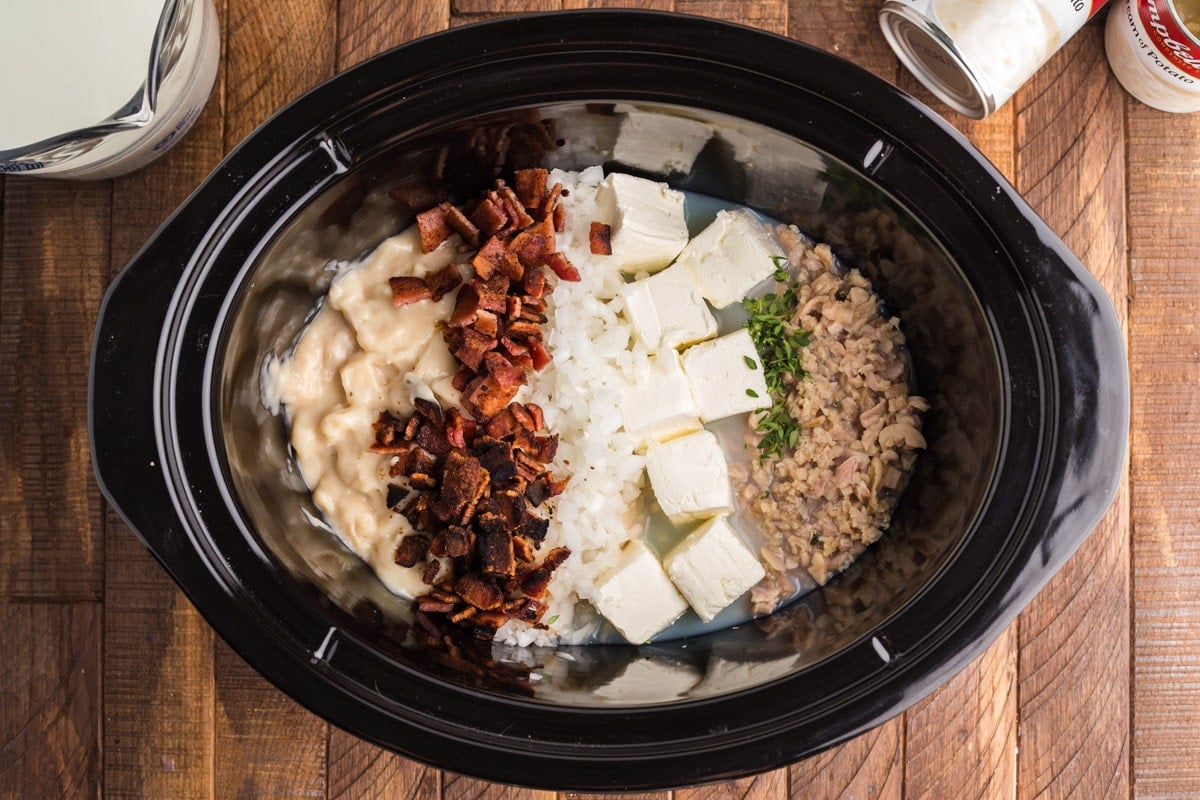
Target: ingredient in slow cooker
point(559, 446)
point(1154, 57)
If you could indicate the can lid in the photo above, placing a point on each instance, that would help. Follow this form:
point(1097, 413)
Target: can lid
point(929, 55)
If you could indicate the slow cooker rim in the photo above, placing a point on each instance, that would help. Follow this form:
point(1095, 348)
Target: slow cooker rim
point(232, 158)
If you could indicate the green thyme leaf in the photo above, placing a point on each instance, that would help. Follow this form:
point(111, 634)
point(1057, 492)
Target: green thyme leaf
point(751, 393)
point(552, 620)
point(750, 362)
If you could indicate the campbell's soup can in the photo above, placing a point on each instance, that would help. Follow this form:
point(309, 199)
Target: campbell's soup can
point(975, 54)
point(1154, 50)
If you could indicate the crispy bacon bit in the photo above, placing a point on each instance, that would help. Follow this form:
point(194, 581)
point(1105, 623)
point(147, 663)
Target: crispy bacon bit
point(433, 227)
point(490, 216)
point(600, 239)
point(561, 267)
point(412, 550)
point(461, 224)
point(559, 218)
point(479, 480)
point(407, 289)
point(442, 282)
point(489, 258)
point(531, 186)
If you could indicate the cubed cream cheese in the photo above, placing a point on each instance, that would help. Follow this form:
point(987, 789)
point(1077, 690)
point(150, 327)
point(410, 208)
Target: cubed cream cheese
point(648, 226)
point(689, 477)
point(726, 376)
point(636, 596)
point(667, 309)
point(730, 257)
point(712, 567)
point(660, 143)
point(661, 405)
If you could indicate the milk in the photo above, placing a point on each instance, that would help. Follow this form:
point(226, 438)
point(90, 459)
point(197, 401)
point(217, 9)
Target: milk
point(70, 64)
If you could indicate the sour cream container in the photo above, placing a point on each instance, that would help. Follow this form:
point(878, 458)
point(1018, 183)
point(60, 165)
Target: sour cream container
point(91, 89)
point(975, 54)
point(1153, 54)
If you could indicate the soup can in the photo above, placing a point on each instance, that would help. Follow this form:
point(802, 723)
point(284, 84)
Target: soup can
point(96, 90)
point(1154, 54)
point(974, 54)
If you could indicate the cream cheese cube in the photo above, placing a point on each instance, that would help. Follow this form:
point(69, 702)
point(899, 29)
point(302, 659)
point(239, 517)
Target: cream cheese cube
point(658, 142)
point(648, 226)
point(689, 477)
point(722, 379)
point(667, 309)
point(713, 567)
point(730, 257)
point(661, 405)
point(636, 596)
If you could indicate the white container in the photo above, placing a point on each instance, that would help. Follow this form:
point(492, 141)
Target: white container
point(1153, 55)
point(91, 89)
point(975, 54)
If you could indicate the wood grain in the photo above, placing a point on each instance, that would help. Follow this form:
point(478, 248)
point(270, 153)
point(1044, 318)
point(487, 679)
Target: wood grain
point(49, 700)
point(848, 28)
point(158, 681)
point(504, 6)
point(769, 15)
point(266, 745)
point(275, 50)
point(645, 5)
point(53, 270)
point(361, 771)
point(772, 785)
point(1164, 185)
point(868, 767)
point(1074, 637)
point(460, 787)
point(368, 27)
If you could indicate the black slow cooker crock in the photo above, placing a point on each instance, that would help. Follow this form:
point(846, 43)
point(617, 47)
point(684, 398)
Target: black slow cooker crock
point(1013, 342)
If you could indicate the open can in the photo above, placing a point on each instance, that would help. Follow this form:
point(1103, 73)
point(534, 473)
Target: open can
point(95, 90)
point(975, 54)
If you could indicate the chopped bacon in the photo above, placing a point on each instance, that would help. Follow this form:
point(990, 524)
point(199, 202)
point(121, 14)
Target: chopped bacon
point(462, 378)
point(561, 267)
point(464, 481)
point(534, 283)
point(511, 267)
point(442, 282)
point(531, 186)
point(559, 218)
point(433, 227)
point(480, 592)
point(539, 354)
point(515, 207)
point(489, 258)
point(412, 550)
point(461, 224)
point(487, 395)
point(490, 217)
point(487, 324)
point(465, 307)
point(407, 289)
point(600, 239)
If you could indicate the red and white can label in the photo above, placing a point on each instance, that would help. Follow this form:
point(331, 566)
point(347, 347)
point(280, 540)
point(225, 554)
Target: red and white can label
point(1165, 40)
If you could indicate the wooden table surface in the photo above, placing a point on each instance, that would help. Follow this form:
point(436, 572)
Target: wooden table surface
point(112, 685)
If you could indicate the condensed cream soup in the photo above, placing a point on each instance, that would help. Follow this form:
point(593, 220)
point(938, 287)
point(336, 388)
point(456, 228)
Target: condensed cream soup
point(356, 359)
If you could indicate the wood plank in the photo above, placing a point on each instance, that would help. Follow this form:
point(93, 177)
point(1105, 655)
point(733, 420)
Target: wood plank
point(361, 771)
point(961, 742)
point(504, 6)
point(266, 744)
point(847, 28)
point(1074, 637)
point(1164, 184)
point(275, 50)
point(772, 785)
point(50, 700)
point(158, 684)
point(460, 787)
point(368, 27)
point(868, 767)
point(158, 703)
point(53, 270)
point(644, 5)
point(770, 15)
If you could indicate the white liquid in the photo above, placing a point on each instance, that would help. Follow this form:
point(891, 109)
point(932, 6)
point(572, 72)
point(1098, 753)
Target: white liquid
point(70, 64)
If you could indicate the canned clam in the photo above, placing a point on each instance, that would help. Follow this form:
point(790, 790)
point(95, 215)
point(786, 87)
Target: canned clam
point(93, 89)
point(975, 54)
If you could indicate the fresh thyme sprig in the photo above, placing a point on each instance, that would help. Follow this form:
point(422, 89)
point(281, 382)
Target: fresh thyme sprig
point(779, 343)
